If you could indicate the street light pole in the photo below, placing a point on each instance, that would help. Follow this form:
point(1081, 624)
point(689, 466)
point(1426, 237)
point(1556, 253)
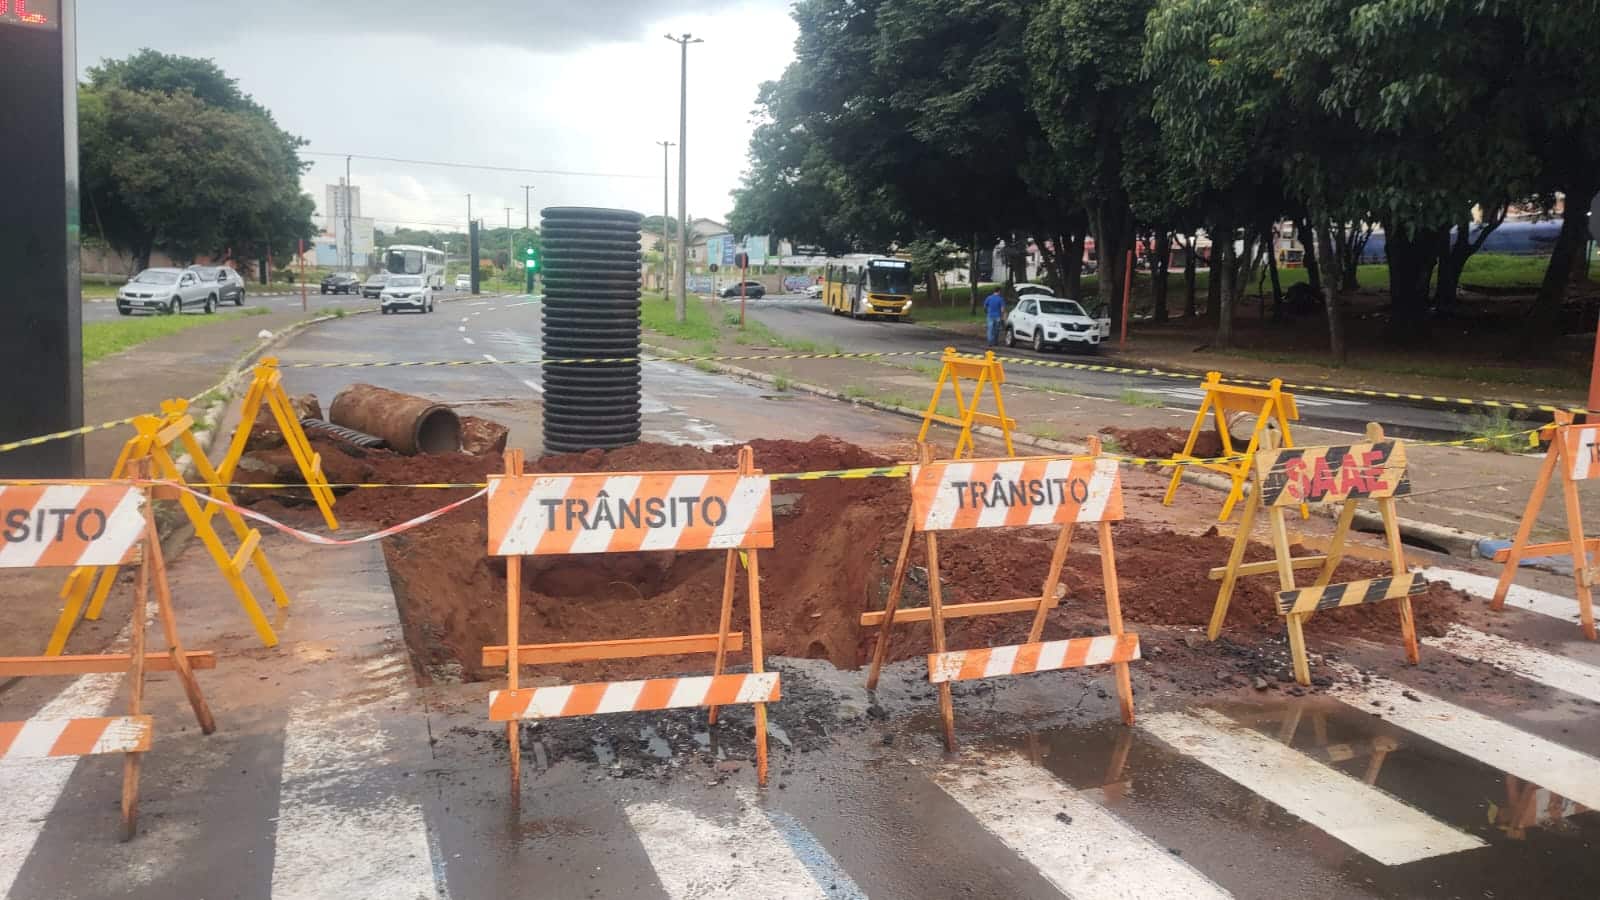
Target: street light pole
point(349, 238)
point(511, 244)
point(527, 207)
point(681, 311)
point(666, 251)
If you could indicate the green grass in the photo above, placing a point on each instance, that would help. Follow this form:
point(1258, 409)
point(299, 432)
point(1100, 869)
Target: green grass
point(102, 339)
point(706, 366)
point(855, 392)
point(1048, 432)
point(894, 400)
point(658, 316)
point(1139, 398)
point(781, 382)
point(1541, 377)
point(1109, 444)
point(1495, 431)
point(96, 290)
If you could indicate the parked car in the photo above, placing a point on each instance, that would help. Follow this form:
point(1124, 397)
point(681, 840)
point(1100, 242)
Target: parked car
point(373, 287)
point(342, 283)
point(229, 284)
point(813, 291)
point(752, 290)
point(1047, 320)
point(463, 282)
point(169, 291)
point(406, 292)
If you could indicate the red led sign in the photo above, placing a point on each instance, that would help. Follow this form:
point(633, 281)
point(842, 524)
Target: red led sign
point(31, 13)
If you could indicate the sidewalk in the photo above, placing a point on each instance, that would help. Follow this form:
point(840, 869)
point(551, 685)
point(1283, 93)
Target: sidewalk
point(1477, 492)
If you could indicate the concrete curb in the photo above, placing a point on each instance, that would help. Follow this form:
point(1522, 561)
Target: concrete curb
point(1444, 538)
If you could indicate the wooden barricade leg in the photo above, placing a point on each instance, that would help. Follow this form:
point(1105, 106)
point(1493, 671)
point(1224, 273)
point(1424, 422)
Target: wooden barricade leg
point(757, 662)
point(1239, 472)
point(1294, 622)
point(257, 557)
point(964, 442)
point(169, 627)
point(1397, 559)
point(300, 448)
point(947, 711)
point(1530, 514)
point(1058, 558)
point(1000, 408)
point(1347, 517)
point(896, 586)
point(248, 410)
point(1582, 573)
point(131, 761)
point(513, 466)
point(1108, 573)
point(1230, 578)
point(730, 574)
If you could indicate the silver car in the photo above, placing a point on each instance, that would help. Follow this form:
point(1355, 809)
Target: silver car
point(169, 291)
point(229, 284)
point(406, 292)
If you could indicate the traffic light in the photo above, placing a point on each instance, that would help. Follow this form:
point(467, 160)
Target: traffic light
point(532, 261)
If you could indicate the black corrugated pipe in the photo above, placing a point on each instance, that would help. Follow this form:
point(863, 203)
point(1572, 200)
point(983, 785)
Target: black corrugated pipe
point(591, 312)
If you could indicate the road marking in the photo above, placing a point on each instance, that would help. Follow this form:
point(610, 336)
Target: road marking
point(469, 340)
point(1357, 814)
point(32, 788)
point(1550, 669)
point(461, 327)
point(491, 357)
point(342, 829)
point(1097, 855)
point(479, 303)
point(1542, 602)
point(1532, 758)
point(698, 858)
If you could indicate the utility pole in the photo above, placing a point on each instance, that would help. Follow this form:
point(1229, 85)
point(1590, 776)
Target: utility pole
point(527, 208)
point(666, 251)
point(349, 236)
point(511, 244)
point(681, 310)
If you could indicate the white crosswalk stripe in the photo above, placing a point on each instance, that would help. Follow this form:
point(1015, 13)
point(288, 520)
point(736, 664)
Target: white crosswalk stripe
point(1355, 813)
point(1549, 669)
point(1106, 858)
point(1532, 758)
point(1542, 602)
point(699, 857)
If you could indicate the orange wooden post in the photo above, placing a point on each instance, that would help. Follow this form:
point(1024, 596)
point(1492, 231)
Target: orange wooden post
point(513, 467)
point(1127, 300)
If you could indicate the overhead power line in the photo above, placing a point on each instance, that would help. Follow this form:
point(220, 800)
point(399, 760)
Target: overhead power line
point(456, 165)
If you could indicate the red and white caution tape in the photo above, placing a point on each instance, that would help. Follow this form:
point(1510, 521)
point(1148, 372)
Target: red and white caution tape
point(311, 538)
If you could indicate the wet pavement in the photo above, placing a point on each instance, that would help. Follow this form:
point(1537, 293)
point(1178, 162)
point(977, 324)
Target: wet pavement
point(337, 771)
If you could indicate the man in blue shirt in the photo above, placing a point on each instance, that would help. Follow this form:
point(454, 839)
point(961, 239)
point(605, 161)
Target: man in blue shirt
point(995, 306)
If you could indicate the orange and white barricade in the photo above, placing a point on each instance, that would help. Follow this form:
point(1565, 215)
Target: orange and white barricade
point(1346, 474)
point(534, 515)
point(108, 523)
point(1010, 493)
point(1575, 453)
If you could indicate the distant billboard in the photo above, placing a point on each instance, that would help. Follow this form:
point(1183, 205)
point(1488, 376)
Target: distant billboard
point(362, 229)
point(756, 246)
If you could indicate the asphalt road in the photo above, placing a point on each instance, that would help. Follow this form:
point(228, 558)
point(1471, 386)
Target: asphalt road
point(333, 774)
point(797, 317)
point(106, 310)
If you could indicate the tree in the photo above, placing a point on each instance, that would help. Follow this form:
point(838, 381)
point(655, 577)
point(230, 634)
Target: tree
point(174, 157)
point(1092, 99)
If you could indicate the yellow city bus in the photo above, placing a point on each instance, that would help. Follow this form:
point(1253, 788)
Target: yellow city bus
point(879, 287)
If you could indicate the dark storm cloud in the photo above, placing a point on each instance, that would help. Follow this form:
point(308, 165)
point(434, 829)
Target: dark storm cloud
point(535, 25)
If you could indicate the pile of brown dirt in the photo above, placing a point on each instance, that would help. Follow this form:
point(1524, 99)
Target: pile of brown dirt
point(1161, 443)
point(834, 552)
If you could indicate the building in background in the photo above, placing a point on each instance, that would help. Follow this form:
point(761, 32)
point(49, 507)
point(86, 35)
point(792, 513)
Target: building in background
point(335, 198)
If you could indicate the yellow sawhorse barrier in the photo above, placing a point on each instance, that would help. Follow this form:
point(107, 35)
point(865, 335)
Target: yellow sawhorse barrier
point(982, 371)
point(152, 447)
point(1268, 405)
point(267, 387)
point(1342, 475)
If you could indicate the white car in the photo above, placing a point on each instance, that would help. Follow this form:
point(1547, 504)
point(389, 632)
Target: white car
point(406, 292)
point(169, 291)
point(463, 282)
point(813, 291)
point(1045, 320)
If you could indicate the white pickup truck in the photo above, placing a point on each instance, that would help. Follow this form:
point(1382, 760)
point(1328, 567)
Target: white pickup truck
point(1045, 320)
point(169, 291)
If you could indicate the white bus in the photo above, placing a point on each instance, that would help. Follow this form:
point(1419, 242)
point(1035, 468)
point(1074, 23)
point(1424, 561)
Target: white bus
point(409, 259)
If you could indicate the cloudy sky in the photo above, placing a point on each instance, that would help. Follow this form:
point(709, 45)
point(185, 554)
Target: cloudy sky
point(573, 86)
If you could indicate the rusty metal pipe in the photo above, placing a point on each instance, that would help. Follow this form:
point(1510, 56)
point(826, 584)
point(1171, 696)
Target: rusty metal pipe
point(407, 423)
